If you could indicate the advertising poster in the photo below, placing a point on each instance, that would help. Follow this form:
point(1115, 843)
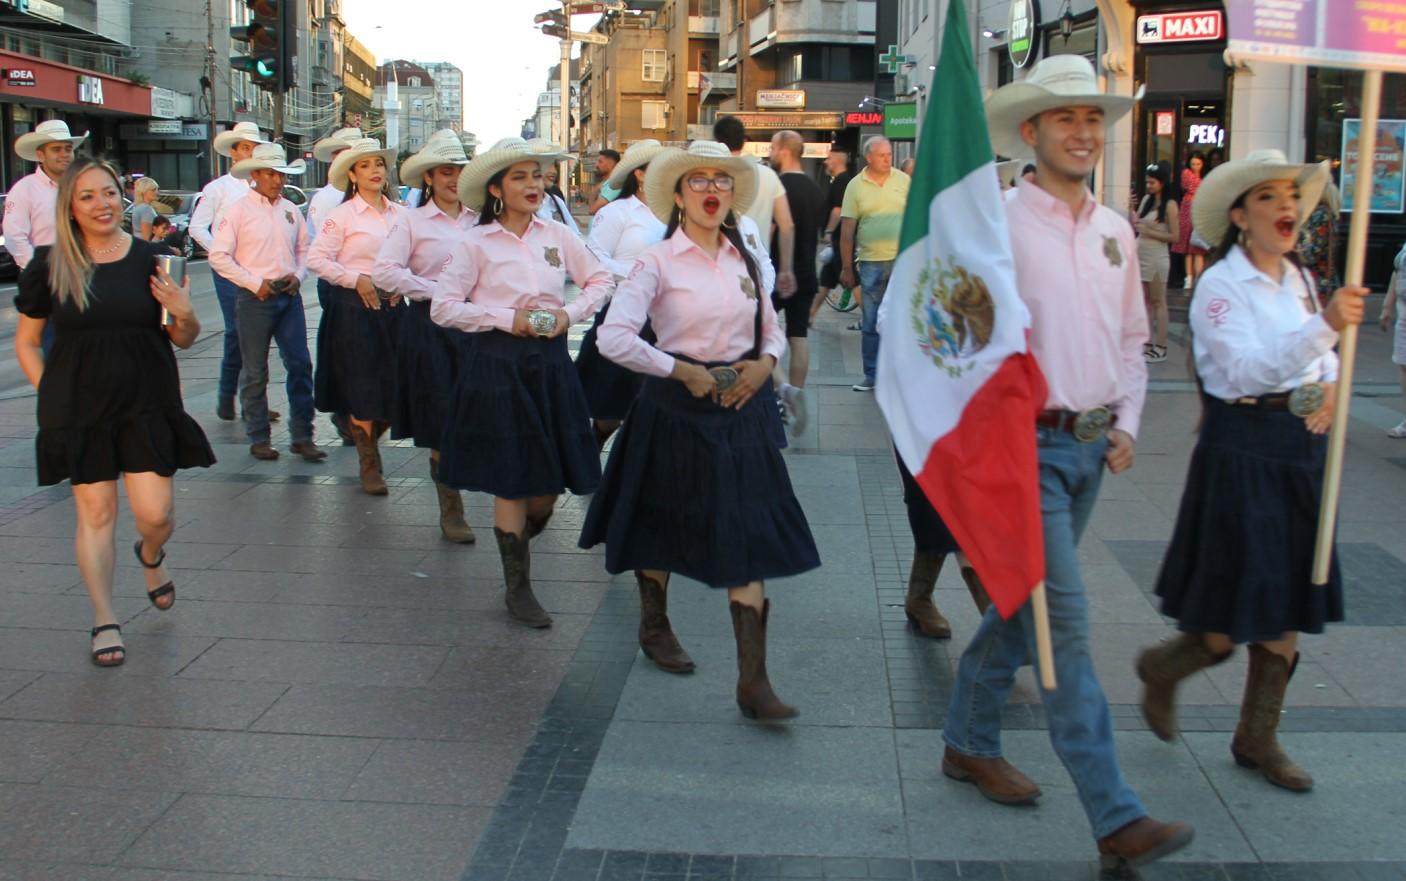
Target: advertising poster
point(1388, 176)
point(1329, 33)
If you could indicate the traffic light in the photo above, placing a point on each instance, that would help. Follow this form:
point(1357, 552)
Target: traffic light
point(272, 39)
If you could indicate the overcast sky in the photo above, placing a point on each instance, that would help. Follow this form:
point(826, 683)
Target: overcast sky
point(504, 58)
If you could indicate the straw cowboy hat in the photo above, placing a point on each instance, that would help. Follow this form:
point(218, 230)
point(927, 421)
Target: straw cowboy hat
point(242, 131)
point(639, 154)
point(1057, 81)
point(270, 156)
point(672, 163)
point(357, 150)
point(1210, 212)
point(27, 145)
point(542, 145)
point(341, 139)
point(473, 180)
point(443, 148)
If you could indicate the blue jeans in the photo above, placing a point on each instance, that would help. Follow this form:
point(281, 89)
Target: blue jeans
point(280, 318)
point(873, 280)
point(227, 292)
point(1080, 727)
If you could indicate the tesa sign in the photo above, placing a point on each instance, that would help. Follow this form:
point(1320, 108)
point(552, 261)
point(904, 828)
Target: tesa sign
point(1181, 27)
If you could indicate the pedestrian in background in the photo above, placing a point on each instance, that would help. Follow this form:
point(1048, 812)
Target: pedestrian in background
point(323, 202)
point(358, 376)
point(871, 218)
point(807, 207)
point(261, 245)
point(770, 210)
point(518, 427)
point(1157, 223)
point(605, 167)
point(1394, 313)
point(837, 166)
point(695, 484)
point(30, 211)
point(144, 193)
point(109, 392)
point(1318, 243)
point(408, 264)
point(1239, 568)
point(554, 205)
point(1193, 256)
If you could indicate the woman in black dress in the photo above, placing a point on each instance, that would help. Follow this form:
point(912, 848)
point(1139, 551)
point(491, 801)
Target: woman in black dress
point(109, 394)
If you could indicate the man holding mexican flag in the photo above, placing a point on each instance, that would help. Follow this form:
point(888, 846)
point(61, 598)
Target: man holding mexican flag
point(1011, 459)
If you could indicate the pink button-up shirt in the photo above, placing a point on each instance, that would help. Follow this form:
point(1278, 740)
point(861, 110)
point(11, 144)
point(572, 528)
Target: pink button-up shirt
point(414, 251)
point(29, 215)
point(491, 272)
point(699, 307)
point(215, 199)
point(1079, 277)
point(258, 240)
point(351, 237)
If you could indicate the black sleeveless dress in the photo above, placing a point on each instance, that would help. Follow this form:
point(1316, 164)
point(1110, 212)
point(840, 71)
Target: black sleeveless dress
point(110, 397)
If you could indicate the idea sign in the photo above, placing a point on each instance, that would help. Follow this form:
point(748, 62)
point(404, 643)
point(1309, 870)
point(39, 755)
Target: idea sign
point(1181, 27)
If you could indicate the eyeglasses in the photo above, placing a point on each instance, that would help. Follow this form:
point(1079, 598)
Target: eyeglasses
point(699, 183)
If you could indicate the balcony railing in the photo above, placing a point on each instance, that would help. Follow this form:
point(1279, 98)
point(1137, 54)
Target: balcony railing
point(703, 24)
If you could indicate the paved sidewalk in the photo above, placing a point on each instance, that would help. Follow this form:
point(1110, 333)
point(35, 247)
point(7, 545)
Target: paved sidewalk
point(338, 693)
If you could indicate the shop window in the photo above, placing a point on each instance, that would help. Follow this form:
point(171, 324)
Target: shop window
point(792, 68)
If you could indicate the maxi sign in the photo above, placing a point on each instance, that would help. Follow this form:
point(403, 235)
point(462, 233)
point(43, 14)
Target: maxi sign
point(1180, 27)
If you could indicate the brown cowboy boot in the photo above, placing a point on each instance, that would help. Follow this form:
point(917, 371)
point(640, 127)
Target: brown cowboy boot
point(517, 573)
point(976, 589)
point(755, 697)
point(1255, 745)
point(451, 510)
point(372, 483)
point(1161, 668)
point(656, 636)
point(918, 605)
point(536, 525)
point(1139, 842)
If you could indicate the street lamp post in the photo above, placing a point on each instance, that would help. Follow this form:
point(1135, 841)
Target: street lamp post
point(563, 180)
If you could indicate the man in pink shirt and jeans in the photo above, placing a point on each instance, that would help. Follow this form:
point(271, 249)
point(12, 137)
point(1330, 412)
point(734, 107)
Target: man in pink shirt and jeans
point(1077, 272)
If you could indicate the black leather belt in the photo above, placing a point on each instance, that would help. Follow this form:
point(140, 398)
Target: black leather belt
point(1086, 425)
point(1278, 401)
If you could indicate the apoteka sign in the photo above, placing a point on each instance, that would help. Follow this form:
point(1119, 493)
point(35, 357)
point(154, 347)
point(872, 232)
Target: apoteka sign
point(1021, 32)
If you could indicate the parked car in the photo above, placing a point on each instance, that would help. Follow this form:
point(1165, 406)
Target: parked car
point(8, 269)
point(298, 197)
point(178, 206)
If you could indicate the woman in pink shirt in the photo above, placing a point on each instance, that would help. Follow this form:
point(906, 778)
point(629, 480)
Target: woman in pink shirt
point(409, 262)
point(356, 341)
point(695, 483)
point(517, 427)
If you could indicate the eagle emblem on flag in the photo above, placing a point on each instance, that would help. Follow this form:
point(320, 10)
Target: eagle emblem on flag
point(953, 315)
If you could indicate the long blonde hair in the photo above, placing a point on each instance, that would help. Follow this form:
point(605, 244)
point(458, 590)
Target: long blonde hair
point(70, 266)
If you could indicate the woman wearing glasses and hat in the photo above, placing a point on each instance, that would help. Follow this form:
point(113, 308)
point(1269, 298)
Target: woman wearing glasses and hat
point(620, 232)
point(696, 484)
point(357, 375)
point(1239, 566)
point(518, 427)
point(408, 264)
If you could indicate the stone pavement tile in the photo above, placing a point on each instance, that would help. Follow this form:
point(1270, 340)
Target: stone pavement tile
point(14, 681)
point(825, 791)
point(819, 604)
point(1312, 685)
point(63, 611)
point(30, 750)
point(1372, 578)
point(263, 532)
point(50, 871)
point(84, 824)
point(46, 578)
point(126, 874)
point(32, 549)
point(512, 666)
point(223, 762)
point(476, 586)
point(376, 842)
point(327, 663)
point(467, 627)
point(948, 820)
point(420, 537)
point(822, 470)
point(255, 621)
point(481, 711)
point(832, 682)
point(1115, 598)
point(438, 773)
point(200, 584)
point(1125, 521)
point(148, 702)
point(358, 562)
point(65, 651)
point(1354, 658)
point(831, 505)
point(1359, 786)
point(485, 566)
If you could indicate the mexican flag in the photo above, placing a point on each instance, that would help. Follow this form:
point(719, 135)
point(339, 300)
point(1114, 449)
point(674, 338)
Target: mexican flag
point(955, 380)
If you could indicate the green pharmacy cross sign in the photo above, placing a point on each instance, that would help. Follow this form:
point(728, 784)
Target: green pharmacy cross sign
point(892, 60)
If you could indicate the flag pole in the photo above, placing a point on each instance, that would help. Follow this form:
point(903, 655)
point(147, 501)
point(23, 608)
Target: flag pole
point(1044, 647)
point(1347, 341)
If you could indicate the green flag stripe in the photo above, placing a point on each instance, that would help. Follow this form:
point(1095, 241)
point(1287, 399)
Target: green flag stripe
point(955, 141)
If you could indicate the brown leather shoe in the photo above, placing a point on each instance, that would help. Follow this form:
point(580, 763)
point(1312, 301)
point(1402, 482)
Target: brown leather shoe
point(997, 779)
point(308, 450)
point(1141, 842)
point(263, 451)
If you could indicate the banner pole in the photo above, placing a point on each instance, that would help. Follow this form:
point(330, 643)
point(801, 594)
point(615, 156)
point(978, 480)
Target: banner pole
point(1347, 342)
point(1044, 647)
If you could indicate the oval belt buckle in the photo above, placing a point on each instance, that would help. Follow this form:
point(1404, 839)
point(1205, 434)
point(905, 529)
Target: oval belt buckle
point(542, 321)
point(1092, 424)
point(1306, 400)
point(725, 377)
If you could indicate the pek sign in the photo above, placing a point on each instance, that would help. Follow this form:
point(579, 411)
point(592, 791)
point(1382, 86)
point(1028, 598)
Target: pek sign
point(1181, 27)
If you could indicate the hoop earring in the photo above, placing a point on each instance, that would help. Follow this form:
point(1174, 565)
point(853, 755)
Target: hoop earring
point(1243, 239)
point(734, 223)
point(497, 205)
point(683, 220)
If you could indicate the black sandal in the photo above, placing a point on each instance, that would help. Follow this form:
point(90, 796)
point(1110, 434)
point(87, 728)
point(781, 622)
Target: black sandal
point(166, 590)
point(119, 650)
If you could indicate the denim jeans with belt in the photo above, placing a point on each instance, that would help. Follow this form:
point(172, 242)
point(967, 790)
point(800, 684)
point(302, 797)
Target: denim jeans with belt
point(873, 281)
point(280, 318)
point(1081, 729)
point(227, 293)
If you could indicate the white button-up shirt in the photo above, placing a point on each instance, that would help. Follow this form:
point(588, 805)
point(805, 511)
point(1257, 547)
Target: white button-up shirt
point(258, 240)
point(1255, 336)
point(215, 200)
point(621, 231)
point(29, 215)
point(555, 209)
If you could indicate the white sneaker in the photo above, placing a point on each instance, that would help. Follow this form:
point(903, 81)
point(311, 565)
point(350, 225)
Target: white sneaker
point(865, 386)
point(795, 401)
point(1399, 431)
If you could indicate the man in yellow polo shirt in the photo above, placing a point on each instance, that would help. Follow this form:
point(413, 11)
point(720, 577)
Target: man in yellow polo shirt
point(872, 211)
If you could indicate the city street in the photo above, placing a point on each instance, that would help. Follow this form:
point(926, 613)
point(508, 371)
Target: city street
point(338, 693)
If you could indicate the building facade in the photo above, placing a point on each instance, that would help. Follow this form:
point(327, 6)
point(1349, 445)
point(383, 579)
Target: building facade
point(416, 107)
point(449, 94)
point(358, 85)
